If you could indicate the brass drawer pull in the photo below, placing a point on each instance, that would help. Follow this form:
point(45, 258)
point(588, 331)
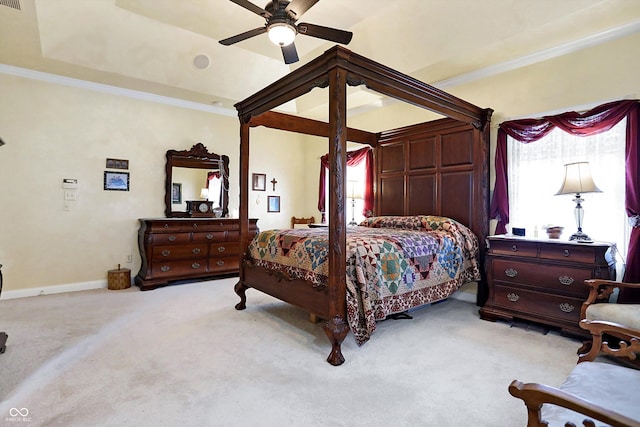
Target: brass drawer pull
point(221, 248)
point(220, 263)
point(511, 272)
point(166, 226)
point(196, 250)
point(566, 307)
point(565, 253)
point(171, 238)
point(514, 248)
point(166, 252)
point(195, 265)
point(209, 236)
point(195, 225)
point(513, 297)
point(165, 268)
point(565, 280)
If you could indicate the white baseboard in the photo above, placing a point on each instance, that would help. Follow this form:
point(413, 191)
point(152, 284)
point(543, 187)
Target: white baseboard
point(57, 289)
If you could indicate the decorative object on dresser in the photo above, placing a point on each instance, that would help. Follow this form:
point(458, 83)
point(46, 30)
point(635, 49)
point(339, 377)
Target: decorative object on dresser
point(177, 249)
point(200, 208)
point(578, 180)
point(543, 280)
point(192, 169)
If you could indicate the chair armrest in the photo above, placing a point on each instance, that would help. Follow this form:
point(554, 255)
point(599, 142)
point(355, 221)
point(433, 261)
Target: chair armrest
point(601, 290)
point(535, 395)
point(628, 347)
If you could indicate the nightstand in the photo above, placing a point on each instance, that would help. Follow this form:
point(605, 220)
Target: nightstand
point(542, 280)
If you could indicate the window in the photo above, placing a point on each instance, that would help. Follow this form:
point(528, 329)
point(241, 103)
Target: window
point(357, 175)
point(535, 173)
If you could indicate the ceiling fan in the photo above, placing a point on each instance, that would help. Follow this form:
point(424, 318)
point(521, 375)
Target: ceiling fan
point(281, 17)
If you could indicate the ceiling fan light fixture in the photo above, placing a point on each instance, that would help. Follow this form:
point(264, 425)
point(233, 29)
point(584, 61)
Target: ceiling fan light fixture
point(281, 34)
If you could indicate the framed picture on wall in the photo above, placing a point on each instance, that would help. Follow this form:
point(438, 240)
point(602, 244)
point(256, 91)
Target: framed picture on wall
point(176, 193)
point(117, 164)
point(273, 203)
point(118, 181)
point(259, 181)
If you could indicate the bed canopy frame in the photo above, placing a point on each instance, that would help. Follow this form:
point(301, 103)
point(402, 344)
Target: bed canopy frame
point(336, 69)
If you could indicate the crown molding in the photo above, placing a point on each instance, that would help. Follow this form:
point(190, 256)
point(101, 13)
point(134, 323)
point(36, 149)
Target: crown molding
point(113, 90)
point(541, 55)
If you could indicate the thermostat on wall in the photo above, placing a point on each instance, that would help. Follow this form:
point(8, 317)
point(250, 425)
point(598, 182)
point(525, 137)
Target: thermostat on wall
point(69, 183)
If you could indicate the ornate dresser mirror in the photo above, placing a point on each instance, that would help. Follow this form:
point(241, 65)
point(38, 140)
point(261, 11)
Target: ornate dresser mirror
point(197, 183)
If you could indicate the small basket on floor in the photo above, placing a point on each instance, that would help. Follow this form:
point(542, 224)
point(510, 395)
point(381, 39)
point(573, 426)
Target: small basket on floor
point(119, 279)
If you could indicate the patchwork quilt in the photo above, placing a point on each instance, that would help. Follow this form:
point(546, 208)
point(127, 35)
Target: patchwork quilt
point(394, 263)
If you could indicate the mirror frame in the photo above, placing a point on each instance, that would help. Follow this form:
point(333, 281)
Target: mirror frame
point(197, 157)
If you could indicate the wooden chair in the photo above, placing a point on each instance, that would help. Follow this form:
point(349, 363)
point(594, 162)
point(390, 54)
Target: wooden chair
point(599, 391)
point(600, 314)
point(306, 221)
point(593, 390)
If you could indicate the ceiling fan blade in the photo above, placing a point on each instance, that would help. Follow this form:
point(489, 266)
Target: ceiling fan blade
point(289, 53)
point(326, 33)
point(298, 7)
point(246, 35)
point(252, 7)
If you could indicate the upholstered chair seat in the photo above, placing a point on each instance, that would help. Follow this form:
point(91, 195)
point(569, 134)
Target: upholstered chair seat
point(623, 314)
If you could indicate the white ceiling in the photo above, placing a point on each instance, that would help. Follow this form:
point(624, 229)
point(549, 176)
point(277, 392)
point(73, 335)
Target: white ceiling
point(150, 45)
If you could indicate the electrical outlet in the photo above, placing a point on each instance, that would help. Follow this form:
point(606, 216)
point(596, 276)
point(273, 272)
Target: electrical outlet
point(129, 258)
point(67, 205)
point(69, 195)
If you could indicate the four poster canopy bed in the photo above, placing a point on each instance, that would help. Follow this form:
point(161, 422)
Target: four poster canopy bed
point(427, 234)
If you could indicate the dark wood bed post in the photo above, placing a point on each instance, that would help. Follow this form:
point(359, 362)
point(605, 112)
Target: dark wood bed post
point(336, 326)
point(337, 68)
point(240, 288)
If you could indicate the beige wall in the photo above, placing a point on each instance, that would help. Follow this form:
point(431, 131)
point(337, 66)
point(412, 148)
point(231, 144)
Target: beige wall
point(54, 132)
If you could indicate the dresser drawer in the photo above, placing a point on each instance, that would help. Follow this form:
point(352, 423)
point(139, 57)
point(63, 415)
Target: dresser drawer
point(218, 225)
point(173, 252)
point(224, 249)
point(210, 236)
point(538, 304)
point(550, 277)
point(171, 226)
point(169, 238)
point(228, 263)
point(179, 268)
point(514, 247)
point(573, 253)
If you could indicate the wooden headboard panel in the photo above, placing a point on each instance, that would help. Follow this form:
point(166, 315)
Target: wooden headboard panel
point(435, 168)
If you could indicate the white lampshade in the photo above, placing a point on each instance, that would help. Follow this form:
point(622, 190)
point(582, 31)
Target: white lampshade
point(578, 179)
point(204, 193)
point(354, 190)
point(281, 34)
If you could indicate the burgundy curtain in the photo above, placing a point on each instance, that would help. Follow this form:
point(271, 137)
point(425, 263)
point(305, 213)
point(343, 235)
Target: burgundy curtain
point(353, 158)
point(599, 119)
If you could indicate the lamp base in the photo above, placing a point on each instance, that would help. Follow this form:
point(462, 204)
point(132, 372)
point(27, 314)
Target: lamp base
point(352, 223)
point(580, 236)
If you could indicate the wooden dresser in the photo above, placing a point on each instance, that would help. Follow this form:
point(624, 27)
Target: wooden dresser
point(187, 248)
point(542, 280)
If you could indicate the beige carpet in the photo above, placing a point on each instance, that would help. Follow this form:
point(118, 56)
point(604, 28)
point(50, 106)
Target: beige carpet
point(183, 356)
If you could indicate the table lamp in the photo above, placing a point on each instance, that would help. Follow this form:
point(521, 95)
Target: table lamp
point(578, 180)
